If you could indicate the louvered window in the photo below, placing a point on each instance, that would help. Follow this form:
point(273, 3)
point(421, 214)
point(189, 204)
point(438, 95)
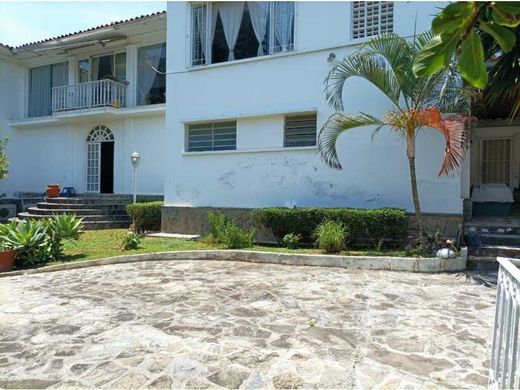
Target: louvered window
point(372, 18)
point(300, 131)
point(212, 136)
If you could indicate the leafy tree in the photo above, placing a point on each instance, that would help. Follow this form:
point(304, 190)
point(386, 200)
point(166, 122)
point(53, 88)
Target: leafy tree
point(4, 162)
point(386, 61)
point(471, 33)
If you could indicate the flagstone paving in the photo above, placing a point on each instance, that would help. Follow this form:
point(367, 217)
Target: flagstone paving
point(203, 324)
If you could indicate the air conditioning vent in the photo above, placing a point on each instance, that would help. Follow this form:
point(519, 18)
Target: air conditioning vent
point(7, 211)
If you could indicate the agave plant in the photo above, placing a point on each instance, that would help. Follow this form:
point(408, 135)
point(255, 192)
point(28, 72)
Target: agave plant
point(29, 239)
point(437, 101)
point(62, 227)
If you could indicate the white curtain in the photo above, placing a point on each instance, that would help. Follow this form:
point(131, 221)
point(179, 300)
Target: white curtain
point(283, 26)
point(95, 68)
point(60, 74)
point(40, 91)
point(231, 17)
point(149, 58)
point(259, 12)
point(201, 22)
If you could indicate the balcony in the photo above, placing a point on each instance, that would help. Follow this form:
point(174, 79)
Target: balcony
point(99, 93)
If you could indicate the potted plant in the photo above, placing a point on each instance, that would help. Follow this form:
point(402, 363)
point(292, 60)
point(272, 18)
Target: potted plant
point(53, 190)
point(292, 240)
point(7, 250)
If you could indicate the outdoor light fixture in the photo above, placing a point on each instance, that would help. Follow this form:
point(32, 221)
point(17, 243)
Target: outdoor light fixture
point(136, 159)
point(331, 58)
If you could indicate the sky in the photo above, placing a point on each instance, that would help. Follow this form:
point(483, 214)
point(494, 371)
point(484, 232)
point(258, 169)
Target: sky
point(23, 22)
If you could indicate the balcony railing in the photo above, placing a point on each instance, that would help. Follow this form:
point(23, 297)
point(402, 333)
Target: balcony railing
point(99, 93)
point(505, 350)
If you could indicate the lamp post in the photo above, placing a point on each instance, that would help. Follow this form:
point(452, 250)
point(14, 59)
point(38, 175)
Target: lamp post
point(136, 159)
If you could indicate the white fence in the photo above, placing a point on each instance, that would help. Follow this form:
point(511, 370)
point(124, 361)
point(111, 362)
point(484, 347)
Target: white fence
point(99, 93)
point(504, 369)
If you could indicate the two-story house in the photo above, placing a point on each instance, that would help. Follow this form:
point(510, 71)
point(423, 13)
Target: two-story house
point(76, 106)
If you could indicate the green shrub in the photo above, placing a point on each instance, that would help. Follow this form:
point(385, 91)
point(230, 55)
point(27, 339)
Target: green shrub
point(330, 236)
point(365, 226)
point(131, 241)
point(227, 233)
point(292, 240)
point(146, 216)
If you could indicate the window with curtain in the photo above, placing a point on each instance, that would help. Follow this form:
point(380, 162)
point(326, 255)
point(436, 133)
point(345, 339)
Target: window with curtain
point(151, 77)
point(41, 81)
point(110, 66)
point(227, 31)
point(371, 18)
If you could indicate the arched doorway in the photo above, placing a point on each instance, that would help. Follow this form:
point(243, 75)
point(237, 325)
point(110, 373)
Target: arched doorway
point(100, 160)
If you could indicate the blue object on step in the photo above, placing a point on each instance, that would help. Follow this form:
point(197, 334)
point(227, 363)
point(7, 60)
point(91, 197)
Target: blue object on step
point(68, 192)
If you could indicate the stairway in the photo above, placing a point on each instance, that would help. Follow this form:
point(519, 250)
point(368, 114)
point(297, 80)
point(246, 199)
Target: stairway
point(98, 211)
point(490, 237)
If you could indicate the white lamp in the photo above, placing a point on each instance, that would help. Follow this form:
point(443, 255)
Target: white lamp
point(136, 159)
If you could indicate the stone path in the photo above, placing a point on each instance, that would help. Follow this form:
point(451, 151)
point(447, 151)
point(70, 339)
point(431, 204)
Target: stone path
point(202, 324)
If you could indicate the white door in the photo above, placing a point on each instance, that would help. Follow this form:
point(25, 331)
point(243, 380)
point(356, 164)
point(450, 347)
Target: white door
point(93, 163)
point(495, 161)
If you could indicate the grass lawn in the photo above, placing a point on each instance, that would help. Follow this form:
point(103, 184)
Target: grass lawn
point(97, 244)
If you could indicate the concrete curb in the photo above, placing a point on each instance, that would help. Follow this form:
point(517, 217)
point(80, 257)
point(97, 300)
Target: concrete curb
point(407, 264)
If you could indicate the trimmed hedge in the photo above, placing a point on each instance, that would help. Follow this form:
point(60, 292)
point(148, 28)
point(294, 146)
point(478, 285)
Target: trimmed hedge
point(372, 226)
point(146, 216)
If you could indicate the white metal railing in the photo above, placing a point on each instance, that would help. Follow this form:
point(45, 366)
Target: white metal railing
point(504, 370)
point(99, 93)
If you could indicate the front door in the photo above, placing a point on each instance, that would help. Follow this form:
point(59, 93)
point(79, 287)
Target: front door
point(107, 168)
point(100, 160)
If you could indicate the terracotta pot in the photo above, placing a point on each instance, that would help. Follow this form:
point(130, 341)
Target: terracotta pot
point(7, 260)
point(53, 190)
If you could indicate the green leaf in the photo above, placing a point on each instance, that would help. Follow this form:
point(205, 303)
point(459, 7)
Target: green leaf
point(505, 19)
point(436, 54)
point(510, 7)
point(471, 61)
point(453, 17)
point(504, 36)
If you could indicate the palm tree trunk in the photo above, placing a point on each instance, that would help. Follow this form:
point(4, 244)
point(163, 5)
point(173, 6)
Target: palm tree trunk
point(410, 150)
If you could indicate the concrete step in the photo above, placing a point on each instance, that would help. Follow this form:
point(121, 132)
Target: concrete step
point(493, 251)
point(485, 264)
point(500, 239)
point(78, 212)
point(92, 200)
point(86, 218)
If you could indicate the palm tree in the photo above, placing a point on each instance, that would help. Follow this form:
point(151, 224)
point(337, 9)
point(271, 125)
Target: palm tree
point(386, 61)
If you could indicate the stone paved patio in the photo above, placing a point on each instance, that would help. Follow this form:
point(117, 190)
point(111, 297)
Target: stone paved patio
point(202, 324)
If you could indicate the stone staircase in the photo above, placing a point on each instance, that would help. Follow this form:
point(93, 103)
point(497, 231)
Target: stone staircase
point(490, 237)
point(97, 211)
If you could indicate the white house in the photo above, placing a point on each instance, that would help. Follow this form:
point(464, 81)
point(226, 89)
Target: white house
point(244, 101)
point(76, 106)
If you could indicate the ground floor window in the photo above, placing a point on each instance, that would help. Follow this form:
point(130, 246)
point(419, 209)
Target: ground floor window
point(300, 130)
point(496, 161)
point(212, 136)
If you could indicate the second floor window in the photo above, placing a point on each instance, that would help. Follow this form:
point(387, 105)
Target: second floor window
point(41, 81)
point(151, 77)
point(110, 66)
point(372, 18)
point(227, 31)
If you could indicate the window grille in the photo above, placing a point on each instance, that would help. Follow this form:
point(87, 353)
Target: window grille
point(212, 136)
point(300, 131)
point(371, 18)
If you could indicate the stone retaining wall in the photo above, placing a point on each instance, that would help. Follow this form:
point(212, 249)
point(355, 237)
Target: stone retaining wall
point(407, 264)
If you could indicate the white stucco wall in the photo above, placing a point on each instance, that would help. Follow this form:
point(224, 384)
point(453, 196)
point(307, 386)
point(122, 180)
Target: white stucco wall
point(257, 92)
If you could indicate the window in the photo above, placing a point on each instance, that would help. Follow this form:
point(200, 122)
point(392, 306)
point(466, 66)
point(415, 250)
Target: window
point(372, 18)
point(227, 31)
point(496, 161)
point(110, 66)
point(300, 131)
point(41, 81)
point(212, 136)
point(151, 75)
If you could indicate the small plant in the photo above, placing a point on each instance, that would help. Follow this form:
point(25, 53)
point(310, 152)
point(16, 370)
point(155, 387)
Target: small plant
point(131, 241)
point(292, 240)
point(330, 236)
point(62, 227)
point(227, 233)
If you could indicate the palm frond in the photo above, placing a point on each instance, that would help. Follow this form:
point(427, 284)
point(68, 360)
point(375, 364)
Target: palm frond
point(334, 127)
point(367, 66)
